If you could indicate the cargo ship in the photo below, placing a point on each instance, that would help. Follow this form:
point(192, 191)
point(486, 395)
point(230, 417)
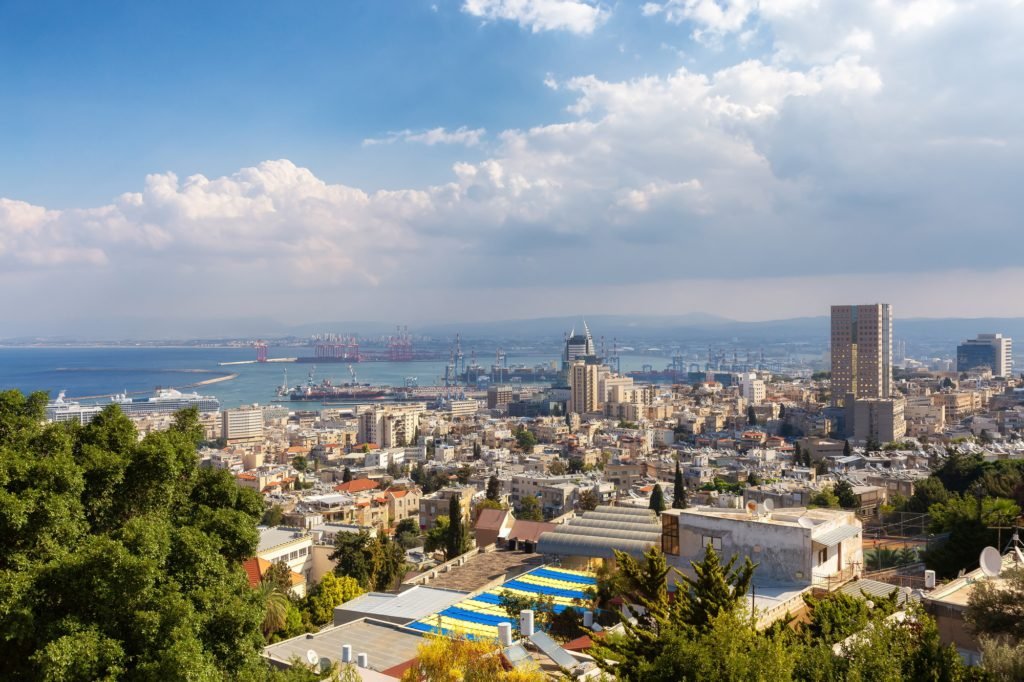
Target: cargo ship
point(326, 390)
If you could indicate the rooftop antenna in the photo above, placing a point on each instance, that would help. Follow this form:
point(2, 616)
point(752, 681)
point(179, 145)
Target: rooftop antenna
point(991, 562)
point(769, 506)
point(312, 657)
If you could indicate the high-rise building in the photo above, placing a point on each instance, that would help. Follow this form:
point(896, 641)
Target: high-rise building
point(242, 425)
point(578, 347)
point(390, 426)
point(861, 351)
point(993, 351)
point(583, 388)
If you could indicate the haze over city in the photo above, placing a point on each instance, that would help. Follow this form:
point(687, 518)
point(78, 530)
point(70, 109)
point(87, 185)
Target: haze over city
point(756, 160)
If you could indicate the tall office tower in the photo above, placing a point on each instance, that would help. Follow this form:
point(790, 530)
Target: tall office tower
point(861, 351)
point(993, 351)
point(578, 347)
point(583, 387)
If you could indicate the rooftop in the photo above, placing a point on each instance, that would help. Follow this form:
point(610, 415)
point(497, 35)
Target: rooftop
point(413, 604)
point(387, 645)
point(486, 568)
point(277, 536)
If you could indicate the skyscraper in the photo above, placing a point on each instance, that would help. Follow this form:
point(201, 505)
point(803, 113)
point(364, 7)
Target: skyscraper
point(577, 347)
point(583, 386)
point(861, 351)
point(993, 351)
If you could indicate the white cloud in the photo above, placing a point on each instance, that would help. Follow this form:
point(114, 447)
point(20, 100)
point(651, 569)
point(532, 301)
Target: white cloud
point(575, 16)
point(853, 137)
point(469, 137)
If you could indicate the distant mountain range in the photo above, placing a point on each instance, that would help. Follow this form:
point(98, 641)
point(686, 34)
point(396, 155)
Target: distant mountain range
point(692, 327)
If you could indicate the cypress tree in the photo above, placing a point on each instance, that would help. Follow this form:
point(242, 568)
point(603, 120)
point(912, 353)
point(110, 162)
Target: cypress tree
point(846, 448)
point(493, 488)
point(657, 499)
point(678, 490)
point(454, 541)
point(347, 476)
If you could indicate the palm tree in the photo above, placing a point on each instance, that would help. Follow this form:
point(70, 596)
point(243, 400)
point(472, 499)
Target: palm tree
point(276, 604)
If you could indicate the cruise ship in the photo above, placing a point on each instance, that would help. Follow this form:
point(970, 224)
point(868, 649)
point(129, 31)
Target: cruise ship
point(61, 410)
point(166, 400)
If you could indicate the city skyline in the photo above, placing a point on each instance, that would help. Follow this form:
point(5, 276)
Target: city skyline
point(303, 159)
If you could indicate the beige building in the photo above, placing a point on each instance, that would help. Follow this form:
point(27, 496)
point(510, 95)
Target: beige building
point(861, 351)
point(242, 425)
point(881, 419)
point(436, 504)
point(583, 385)
point(390, 426)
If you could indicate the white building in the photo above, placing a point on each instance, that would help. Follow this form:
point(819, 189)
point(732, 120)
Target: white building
point(754, 391)
point(390, 426)
point(242, 425)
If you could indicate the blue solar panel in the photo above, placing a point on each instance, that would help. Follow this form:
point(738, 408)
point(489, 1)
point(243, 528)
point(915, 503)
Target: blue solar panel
point(567, 577)
point(456, 613)
point(542, 589)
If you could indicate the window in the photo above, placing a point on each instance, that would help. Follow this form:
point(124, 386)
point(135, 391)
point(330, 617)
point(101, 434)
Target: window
point(670, 534)
point(706, 540)
point(822, 555)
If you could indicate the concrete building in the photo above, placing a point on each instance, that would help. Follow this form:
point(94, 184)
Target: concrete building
point(291, 545)
point(390, 426)
point(795, 546)
point(752, 389)
point(498, 397)
point(242, 425)
point(583, 386)
point(861, 351)
point(878, 419)
point(991, 351)
point(436, 504)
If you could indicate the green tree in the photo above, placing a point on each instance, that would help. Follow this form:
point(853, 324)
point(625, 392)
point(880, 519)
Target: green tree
point(751, 416)
point(998, 609)
point(120, 557)
point(279, 576)
point(927, 492)
point(715, 588)
point(273, 516)
point(824, 498)
point(678, 489)
point(846, 448)
point(657, 502)
point(299, 463)
point(353, 553)
point(844, 493)
point(437, 537)
point(346, 476)
point(557, 468)
point(456, 539)
point(529, 509)
point(493, 489)
point(275, 605)
point(477, 450)
point(587, 500)
point(525, 439)
point(332, 590)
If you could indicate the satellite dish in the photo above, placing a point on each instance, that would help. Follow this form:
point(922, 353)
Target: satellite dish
point(312, 657)
point(769, 506)
point(751, 506)
point(991, 562)
point(805, 522)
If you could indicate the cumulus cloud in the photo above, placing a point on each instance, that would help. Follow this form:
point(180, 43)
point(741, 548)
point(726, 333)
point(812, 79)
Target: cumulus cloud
point(872, 153)
point(574, 16)
point(470, 137)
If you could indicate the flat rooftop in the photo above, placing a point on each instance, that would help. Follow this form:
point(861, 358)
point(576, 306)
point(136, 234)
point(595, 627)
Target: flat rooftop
point(782, 516)
point(413, 604)
point(385, 644)
point(485, 568)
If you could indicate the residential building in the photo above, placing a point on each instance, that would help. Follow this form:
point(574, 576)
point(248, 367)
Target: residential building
point(861, 351)
point(436, 504)
point(498, 397)
point(390, 426)
point(796, 546)
point(991, 351)
point(752, 389)
point(242, 425)
point(293, 546)
point(583, 385)
point(877, 419)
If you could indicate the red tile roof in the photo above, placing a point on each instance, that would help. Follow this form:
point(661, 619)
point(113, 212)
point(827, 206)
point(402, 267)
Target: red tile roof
point(255, 568)
point(491, 519)
point(530, 530)
point(356, 485)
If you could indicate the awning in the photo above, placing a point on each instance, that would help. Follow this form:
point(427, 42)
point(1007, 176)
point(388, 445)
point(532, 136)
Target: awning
point(836, 535)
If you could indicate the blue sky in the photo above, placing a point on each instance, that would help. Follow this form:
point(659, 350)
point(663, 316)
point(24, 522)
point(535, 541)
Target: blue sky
point(435, 160)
